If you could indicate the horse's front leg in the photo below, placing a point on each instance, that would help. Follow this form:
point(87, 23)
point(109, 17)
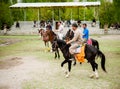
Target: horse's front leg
point(62, 64)
point(55, 54)
point(69, 69)
point(58, 54)
point(74, 62)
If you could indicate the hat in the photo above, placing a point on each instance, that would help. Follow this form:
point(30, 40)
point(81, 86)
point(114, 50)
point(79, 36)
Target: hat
point(74, 25)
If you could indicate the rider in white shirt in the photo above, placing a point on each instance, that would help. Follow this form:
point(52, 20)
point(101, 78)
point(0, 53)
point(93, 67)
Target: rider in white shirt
point(60, 30)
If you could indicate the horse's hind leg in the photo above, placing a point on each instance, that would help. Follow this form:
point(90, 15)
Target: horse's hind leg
point(94, 67)
point(96, 71)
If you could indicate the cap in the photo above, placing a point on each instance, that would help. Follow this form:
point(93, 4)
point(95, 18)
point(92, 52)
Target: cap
point(74, 25)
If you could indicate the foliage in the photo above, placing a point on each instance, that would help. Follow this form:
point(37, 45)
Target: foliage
point(116, 4)
point(5, 15)
point(107, 13)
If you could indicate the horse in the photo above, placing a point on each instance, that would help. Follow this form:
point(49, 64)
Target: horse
point(90, 54)
point(70, 34)
point(44, 36)
point(49, 35)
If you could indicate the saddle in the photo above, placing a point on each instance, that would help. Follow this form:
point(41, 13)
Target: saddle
point(79, 56)
point(89, 41)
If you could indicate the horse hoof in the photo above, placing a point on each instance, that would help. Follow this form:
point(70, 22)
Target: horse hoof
point(97, 77)
point(92, 76)
point(65, 72)
point(67, 76)
point(74, 64)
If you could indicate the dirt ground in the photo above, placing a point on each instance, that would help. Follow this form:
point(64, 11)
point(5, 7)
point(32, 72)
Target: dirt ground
point(16, 70)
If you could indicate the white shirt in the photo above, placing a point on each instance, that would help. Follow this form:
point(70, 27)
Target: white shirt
point(60, 28)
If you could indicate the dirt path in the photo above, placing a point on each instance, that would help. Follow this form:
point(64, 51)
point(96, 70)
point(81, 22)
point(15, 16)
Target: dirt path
point(14, 71)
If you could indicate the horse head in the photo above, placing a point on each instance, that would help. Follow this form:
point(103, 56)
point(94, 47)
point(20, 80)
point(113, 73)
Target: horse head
point(69, 35)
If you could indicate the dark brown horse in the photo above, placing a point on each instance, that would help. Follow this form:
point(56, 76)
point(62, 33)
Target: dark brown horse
point(49, 36)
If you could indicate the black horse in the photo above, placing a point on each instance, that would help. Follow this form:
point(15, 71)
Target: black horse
point(90, 54)
point(70, 34)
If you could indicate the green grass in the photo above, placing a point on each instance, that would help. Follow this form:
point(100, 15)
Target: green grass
point(31, 45)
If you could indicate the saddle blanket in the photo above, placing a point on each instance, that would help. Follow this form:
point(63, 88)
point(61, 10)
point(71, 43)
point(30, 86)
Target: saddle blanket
point(78, 50)
point(81, 54)
point(89, 42)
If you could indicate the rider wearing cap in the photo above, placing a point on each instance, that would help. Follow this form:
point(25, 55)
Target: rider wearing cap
point(77, 39)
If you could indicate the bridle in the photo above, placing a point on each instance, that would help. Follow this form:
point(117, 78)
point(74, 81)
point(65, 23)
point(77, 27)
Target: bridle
point(56, 45)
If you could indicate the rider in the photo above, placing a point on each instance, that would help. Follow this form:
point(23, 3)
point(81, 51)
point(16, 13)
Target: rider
point(85, 33)
point(77, 39)
point(60, 30)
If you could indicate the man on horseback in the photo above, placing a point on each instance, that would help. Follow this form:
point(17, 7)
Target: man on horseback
point(85, 33)
point(60, 30)
point(77, 39)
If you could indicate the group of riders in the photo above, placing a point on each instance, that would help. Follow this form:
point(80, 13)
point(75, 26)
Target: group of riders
point(79, 40)
point(79, 37)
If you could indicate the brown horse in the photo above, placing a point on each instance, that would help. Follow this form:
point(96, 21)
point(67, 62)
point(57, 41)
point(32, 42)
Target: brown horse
point(44, 36)
point(49, 36)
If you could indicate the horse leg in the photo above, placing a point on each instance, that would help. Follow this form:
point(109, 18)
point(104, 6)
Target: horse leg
point(96, 71)
point(69, 69)
point(58, 54)
point(55, 54)
point(74, 62)
point(45, 43)
point(62, 64)
point(94, 67)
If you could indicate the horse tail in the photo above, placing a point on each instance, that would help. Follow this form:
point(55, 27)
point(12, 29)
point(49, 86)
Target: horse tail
point(102, 56)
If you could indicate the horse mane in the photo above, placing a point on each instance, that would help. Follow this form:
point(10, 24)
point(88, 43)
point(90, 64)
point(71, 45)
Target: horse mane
point(53, 33)
point(63, 43)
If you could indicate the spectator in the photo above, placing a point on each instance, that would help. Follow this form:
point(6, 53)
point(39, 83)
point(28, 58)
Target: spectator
point(34, 25)
point(17, 24)
point(5, 29)
point(94, 22)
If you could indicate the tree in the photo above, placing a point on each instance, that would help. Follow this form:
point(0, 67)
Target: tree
point(5, 15)
point(116, 4)
point(106, 13)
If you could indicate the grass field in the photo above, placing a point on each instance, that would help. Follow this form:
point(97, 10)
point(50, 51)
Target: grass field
point(46, 73)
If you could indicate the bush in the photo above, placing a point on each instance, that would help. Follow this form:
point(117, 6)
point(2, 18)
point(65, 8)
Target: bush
point(5, 15)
